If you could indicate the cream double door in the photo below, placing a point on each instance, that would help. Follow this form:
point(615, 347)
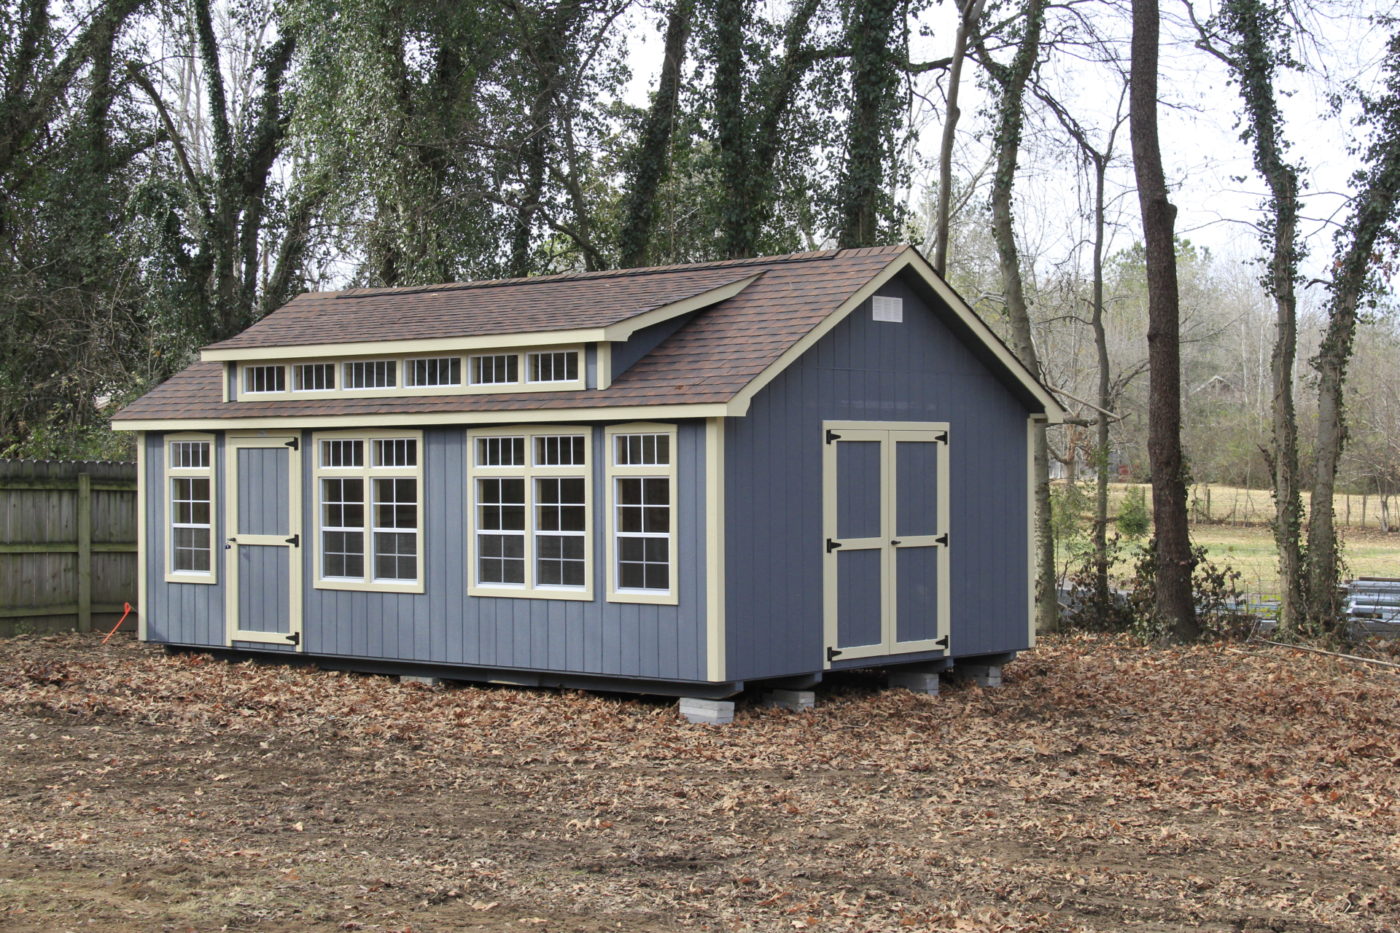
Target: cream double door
point(885, 530)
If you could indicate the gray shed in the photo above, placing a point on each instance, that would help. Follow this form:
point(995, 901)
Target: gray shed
point(675, 480)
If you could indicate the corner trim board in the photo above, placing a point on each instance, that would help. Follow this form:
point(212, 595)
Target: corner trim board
point(714, 548)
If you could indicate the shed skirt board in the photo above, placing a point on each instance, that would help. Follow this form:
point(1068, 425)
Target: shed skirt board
point(884, 519)
point(262, 553)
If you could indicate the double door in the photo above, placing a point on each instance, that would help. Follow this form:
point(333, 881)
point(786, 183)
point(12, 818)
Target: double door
point(885, 530)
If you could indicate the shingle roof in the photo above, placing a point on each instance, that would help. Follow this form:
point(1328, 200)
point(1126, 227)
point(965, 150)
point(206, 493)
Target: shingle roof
point(709, 360)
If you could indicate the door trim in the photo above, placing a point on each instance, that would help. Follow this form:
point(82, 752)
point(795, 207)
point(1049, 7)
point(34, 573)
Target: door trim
point(888, 434)
point(292, 443)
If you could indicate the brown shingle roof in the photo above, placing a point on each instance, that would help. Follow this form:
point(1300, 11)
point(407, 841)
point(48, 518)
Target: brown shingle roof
point(709, 360)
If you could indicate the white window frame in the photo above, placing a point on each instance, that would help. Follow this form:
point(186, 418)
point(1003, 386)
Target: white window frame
point(408, 370)
point(171, 473)
point(249, 372)
point(296, 377)
point(613, 472)
point(368, 472)
point(471, 367)
point(530, 471)
point(527, 366)
point(393, 365)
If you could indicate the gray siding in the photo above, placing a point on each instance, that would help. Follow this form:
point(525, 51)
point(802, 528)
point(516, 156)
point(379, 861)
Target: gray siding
point(262, 497)
point(866, 370)
point(445, 626)
point(179, 613)
point(626, 354)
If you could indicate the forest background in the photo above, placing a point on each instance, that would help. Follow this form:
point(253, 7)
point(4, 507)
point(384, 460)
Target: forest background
point(172, 170)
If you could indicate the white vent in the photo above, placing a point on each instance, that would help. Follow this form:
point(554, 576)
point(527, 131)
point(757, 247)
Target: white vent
point(887, 309)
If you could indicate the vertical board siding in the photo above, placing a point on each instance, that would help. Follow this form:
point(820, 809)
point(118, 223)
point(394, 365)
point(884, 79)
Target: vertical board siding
point(181, 613)
point(264, 588)
point(40, 531)
point(262, 495)
point(443, 625)
point(865, 370)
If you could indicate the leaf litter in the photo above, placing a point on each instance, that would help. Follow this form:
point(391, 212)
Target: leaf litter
point(1106, 786)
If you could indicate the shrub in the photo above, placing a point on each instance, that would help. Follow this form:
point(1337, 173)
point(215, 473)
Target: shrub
point(1133, 520)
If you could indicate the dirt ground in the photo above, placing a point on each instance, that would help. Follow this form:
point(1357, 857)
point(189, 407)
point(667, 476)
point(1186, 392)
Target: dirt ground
point(1104, 787)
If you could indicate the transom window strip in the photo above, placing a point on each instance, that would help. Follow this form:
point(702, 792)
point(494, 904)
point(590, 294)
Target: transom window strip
point(553, 366)
point(186, 455)
point(264, 379)
point(559, 450)
point(495, 369)
point(434, 371)
point(371, 374)
point(396, 452)
point(500, 451)
point(642, 449)
point(342, 453)
point(313, 377)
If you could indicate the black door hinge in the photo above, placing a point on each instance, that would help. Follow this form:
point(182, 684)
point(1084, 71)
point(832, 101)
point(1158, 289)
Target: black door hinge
point(833, 653)
point(295, 638)
point(941, 642)
point(832, 545)
point(941, 437)
point(832, 436)
point(294, 443)
point(942, 539)
point(295, 540)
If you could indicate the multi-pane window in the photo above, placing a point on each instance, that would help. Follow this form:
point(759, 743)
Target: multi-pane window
point(495, 369)
point(530, 512)
point(553, 365)
point(433, 371)
point(313, 377)
point(369, 510)
point(190, 485)
point(258, 379)
point(371, 374)
point(642, 520)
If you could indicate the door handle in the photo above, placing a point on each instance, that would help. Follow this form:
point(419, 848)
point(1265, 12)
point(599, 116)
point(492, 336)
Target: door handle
point(231, 543)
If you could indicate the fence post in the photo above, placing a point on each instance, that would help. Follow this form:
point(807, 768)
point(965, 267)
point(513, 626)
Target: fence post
point(84, 552)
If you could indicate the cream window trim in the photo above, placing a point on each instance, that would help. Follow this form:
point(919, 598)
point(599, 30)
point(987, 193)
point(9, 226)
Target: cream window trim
point(403, 363)
point(169, 474)
point(615, 472)
point(528, 472)
point(367, 472)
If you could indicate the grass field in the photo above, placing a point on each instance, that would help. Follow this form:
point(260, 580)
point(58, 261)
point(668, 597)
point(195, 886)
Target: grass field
point(1245, 543)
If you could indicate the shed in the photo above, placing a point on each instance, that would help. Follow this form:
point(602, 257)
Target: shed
point(679, 480)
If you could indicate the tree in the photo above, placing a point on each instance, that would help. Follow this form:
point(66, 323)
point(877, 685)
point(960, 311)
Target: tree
point(862, 198)
point(969, 12)
point(1010, 81)
point(1370, 226)
point(1252, 38)
point(1173, 556)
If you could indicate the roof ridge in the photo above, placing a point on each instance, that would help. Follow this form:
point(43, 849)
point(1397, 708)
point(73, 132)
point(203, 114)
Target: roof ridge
point(811, 256)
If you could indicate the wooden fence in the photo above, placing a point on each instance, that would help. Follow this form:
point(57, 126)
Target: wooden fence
point(67, 544)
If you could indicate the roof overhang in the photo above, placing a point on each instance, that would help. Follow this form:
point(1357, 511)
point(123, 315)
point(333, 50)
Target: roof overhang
point(620, 330)
point(911, 261)
point(426, 419)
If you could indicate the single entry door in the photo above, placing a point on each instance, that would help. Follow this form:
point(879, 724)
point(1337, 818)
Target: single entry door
point(263, 550)
point(885, 529)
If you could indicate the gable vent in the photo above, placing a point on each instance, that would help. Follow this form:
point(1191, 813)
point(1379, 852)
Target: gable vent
point(887, 309)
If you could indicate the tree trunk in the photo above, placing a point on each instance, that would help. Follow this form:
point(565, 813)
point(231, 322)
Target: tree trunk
point(1105, 398)
point(1174, 560)
point(649, 168)
point(873, 86)
point(971, 11)
point(1010, 116)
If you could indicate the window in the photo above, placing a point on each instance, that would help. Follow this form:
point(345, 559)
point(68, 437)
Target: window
point(642, 514)
point(495, 369)
point(264, 379)
point(434, 371)
point(313, 377)
point(189, 470)
point(553, 366)
point(529, 491)
point(371, 374)
point(370, 513)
